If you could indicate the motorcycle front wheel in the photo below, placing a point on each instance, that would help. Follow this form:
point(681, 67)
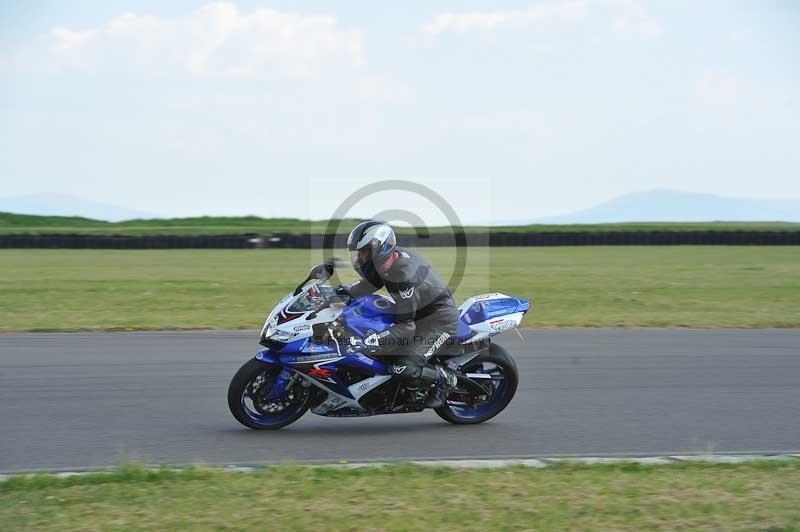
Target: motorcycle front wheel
point(464, 407)
point(251, 405)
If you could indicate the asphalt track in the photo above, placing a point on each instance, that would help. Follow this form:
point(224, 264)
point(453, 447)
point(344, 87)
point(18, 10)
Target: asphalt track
point(72, 401)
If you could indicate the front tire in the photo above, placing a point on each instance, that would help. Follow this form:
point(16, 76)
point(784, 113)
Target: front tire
point(497, 362)
point(247, 398)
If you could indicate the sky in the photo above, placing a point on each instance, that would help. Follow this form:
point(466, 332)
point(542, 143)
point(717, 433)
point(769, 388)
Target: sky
point(508, 110)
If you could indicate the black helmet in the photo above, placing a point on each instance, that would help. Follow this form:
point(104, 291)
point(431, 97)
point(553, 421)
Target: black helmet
point(370, 243)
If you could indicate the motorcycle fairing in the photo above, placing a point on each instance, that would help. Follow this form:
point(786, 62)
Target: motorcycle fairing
point(321, 365)
point(342, 398)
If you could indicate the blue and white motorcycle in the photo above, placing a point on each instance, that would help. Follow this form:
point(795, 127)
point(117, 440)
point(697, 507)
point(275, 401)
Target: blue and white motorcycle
point(313, 357)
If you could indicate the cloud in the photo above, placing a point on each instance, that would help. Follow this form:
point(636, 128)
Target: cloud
point(624, 16)
point(216, 39)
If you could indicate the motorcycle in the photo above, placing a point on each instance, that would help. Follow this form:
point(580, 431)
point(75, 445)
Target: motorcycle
point(314, 358)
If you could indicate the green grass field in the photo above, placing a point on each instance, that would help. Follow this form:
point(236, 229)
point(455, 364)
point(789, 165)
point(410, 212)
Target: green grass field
point(685, 286)
point(29, 224)
point(754, 496)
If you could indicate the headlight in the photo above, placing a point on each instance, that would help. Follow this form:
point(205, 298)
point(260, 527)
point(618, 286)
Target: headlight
point(267, 329)
point(271, 332)
point(281, 336)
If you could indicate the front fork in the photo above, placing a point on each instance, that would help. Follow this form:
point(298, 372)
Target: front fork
point(282, 383)
point(285, 377)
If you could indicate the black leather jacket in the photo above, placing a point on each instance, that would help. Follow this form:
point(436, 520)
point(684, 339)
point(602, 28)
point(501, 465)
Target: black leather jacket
point(419, 293)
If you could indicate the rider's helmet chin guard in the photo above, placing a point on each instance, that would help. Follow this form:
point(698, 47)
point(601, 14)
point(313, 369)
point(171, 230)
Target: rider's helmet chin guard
point(370, 244)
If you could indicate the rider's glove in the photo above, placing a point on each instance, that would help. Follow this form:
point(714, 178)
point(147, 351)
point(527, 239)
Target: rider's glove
point(342, 290)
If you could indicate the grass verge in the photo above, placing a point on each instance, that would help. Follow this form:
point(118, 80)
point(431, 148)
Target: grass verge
point(649, 286)
point(750, 496)
point(214, 225)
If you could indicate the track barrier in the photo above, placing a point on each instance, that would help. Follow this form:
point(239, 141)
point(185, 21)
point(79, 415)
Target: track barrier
point(315, 241)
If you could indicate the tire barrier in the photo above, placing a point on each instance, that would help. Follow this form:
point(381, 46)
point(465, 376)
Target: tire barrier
point(315, 241)
point(129, 242)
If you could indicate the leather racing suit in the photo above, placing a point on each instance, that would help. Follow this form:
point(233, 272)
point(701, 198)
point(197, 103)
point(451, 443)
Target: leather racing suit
point(425, 314)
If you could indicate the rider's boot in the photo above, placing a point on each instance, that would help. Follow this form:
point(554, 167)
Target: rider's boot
point(443, 383)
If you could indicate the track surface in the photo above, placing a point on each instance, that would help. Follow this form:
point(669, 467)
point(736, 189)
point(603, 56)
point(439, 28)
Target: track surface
point(89, 400)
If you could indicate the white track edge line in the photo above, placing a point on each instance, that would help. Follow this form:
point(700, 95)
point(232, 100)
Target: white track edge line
point(472, 464)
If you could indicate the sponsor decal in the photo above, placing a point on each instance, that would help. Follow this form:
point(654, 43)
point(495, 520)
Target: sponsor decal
point(331, 403)
point(321, 374)
point(371, 340)
point(314, 358)
point(398, 369)
point(437, 344)
point(315, 296)
point(407, 294)
point(502, 325)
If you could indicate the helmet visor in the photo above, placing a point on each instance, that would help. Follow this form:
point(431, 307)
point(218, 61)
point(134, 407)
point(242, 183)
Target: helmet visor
point(362, 260)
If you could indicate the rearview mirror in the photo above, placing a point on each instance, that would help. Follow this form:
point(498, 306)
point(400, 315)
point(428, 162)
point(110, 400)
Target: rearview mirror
point(321, 272)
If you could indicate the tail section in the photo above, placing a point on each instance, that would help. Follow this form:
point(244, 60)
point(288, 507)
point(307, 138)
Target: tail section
point(486, 315)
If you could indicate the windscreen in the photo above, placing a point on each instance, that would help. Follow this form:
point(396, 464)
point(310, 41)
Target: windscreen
point(311, 299)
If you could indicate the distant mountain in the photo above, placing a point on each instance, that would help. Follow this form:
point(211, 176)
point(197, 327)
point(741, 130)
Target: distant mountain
point(65, 205)
point(675, 206)
point(652, 206)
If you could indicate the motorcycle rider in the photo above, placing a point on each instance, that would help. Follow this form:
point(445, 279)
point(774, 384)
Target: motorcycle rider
point(425, 311)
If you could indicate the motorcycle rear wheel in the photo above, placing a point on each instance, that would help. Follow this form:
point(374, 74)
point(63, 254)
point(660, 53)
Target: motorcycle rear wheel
point(497, 362)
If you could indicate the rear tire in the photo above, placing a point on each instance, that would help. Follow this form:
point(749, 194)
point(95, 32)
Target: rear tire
point(238, 394)
point(470, 416)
